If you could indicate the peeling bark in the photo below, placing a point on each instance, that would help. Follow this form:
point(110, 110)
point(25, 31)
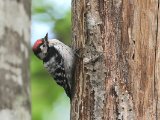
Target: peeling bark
point(14, 60)
point(118, 76)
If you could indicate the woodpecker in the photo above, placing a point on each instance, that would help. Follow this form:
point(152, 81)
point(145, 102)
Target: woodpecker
point(58, 59)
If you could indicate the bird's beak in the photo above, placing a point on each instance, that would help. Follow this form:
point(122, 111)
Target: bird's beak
point(46, 40)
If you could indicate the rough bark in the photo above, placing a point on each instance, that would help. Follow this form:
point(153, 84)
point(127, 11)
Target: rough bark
point(14, 59)
point(118, 76)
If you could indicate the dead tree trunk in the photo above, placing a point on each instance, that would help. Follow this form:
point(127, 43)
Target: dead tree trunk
point(119, 74)
point(14, 59)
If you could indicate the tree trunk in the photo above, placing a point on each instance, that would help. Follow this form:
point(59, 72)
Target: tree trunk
point(119, 74)
point(14, 59)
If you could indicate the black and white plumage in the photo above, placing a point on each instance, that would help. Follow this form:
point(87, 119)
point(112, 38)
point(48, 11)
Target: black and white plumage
point(58, 59)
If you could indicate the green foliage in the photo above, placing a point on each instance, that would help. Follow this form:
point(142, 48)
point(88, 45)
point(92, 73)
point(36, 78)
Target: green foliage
point(63, 30)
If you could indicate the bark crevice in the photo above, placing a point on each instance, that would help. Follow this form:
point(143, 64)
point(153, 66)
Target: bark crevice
point(155, 65)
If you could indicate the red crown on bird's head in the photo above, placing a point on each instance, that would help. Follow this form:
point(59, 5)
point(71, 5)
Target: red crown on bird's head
point(39, 42)
point(36, 44)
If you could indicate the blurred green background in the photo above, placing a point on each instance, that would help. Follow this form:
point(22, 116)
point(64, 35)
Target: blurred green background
point(49, 101)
